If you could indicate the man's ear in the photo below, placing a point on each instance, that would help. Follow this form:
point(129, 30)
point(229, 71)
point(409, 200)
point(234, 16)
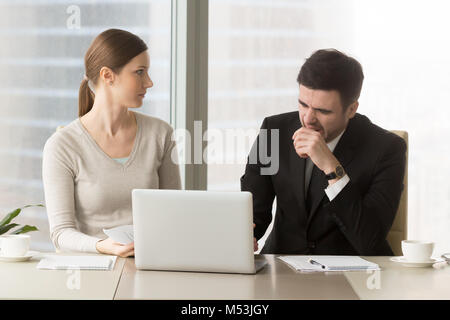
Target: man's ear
point(351, 110)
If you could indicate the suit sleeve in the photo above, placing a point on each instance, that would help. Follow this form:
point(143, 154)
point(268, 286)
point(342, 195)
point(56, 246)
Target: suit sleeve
point(260, 185)
point(365, 218)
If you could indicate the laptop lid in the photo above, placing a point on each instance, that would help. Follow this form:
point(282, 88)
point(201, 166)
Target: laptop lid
point(182, 230)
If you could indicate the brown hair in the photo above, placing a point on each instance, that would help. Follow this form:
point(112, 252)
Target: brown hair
point(330, 69)
point(112, 48)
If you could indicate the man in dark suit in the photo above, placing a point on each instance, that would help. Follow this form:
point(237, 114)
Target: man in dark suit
point(339, 177)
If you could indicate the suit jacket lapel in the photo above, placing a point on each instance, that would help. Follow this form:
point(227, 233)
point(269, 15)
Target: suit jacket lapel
point(345, 149)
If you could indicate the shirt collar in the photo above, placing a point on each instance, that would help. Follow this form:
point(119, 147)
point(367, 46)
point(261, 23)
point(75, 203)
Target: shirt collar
point(332, 144)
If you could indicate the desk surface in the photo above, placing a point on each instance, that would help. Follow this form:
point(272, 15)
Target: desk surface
point(395, 281)
point(276, 281)
point(22, 280)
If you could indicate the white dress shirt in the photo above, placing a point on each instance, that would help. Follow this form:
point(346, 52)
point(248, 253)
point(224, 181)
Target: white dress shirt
point(333, 190)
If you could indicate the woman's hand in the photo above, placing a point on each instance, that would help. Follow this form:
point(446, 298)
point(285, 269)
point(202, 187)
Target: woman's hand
point(108, 246)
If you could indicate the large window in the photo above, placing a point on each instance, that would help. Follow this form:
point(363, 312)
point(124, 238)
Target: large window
point(41, 67)
point(258, 46)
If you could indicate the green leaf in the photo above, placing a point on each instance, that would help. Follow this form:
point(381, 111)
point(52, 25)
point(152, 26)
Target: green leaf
point(9, 217)
point(25, 229)
point(33, 205)
point(6, 228)
point(15, 213)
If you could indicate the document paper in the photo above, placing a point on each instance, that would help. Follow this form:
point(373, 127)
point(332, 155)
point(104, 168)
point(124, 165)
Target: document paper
point(330, 263)
point(57, 262)
point(123, 234)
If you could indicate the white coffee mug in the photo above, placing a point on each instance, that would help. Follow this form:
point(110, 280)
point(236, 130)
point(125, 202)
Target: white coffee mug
point(14, 245)
point(417, 250)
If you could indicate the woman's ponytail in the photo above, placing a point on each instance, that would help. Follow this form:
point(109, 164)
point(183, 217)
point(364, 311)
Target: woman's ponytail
point(85, 98)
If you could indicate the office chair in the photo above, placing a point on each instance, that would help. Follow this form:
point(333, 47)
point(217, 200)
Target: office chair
point(399, 229)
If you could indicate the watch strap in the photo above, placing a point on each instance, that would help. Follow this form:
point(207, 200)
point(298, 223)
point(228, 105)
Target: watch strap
point(331, 176)
point(337, 173)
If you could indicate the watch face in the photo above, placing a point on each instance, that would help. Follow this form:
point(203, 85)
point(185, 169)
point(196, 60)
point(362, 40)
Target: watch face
point(339, 171)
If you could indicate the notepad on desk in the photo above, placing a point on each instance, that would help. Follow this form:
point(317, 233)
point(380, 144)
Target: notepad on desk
point(328, 263)
point(57, 262)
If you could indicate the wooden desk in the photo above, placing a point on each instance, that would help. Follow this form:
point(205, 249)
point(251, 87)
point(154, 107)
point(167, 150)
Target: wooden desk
point(399, 283)
point(21, 280)
point(275, 281)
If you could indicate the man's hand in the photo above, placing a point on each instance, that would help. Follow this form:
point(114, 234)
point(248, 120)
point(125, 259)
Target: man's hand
point(255, 243)
point(310, 143)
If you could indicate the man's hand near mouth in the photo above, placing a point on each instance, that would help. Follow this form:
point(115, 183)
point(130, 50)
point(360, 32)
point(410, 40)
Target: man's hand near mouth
point(310, 143)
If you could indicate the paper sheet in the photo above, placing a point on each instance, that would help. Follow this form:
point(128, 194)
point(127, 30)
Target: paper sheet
point(57, 262)
point(123, 234)
point(332, 263)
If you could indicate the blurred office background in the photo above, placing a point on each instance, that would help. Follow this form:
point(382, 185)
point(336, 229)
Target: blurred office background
point(41, 68)
point(256, 49)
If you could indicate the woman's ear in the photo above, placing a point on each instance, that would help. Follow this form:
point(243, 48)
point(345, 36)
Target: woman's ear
point(107, 75)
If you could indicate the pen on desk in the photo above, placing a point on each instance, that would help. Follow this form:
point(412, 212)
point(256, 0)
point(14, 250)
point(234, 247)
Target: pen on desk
point(316, 263)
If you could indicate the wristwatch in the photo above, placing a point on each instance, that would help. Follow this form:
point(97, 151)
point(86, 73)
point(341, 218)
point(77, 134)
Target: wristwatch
point(337, 173)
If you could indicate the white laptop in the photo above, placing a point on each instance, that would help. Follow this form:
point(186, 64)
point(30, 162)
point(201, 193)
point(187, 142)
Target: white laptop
point(204, 231)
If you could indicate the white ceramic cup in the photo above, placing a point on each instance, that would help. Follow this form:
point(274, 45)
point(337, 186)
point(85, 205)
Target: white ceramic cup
point(417, 250)
point(14, 245)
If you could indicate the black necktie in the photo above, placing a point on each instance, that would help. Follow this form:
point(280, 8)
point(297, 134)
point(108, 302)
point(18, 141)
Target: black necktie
point(315, 189)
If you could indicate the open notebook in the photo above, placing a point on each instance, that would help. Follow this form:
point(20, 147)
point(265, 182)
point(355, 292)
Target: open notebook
point(57, 262)
point(328, 263)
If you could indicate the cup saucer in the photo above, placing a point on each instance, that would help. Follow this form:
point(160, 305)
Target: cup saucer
point(25, 257)
point(414, 264)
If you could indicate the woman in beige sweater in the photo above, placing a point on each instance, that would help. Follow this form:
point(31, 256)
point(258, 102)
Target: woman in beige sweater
point(91, 165)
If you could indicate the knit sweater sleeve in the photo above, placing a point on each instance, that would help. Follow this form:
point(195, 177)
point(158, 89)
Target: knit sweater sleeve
point(169, 172)
point(58, 172)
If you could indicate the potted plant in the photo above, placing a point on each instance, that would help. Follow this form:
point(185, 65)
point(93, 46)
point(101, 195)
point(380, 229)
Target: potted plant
point(6, 225)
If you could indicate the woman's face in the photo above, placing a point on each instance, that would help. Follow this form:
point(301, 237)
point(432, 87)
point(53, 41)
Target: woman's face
point(130, 85)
